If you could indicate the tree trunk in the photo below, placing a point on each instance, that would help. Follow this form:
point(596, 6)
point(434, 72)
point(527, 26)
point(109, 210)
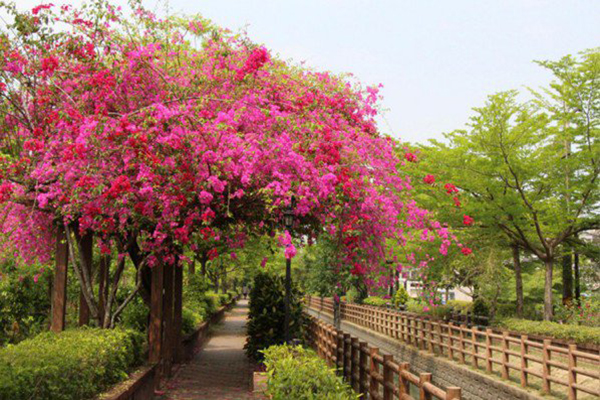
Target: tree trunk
point(203, 262)
point(518, 280)
point(567, 278)
point(577, 279)
point(548, 312)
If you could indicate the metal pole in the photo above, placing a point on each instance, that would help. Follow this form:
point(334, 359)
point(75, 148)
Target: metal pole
point(288, 295)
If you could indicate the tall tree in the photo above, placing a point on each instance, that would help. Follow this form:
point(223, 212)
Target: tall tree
point(511, 161)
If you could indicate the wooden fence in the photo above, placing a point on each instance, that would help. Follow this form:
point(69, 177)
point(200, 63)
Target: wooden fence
point(371, 373)
point(574, 370)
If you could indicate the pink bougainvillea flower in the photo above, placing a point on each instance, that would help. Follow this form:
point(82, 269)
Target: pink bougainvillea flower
point(429, 179)
point(468, 220)
point(466, 251)
point(450, 188)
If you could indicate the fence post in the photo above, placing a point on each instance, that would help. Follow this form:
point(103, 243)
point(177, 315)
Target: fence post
point(339, 350)
point(450, 331)
point(505, 356)
point(545, 366)
point(347, 356)
point(474, 343)
point(424, 378)
point(453, 393)
point(355, 364)
point(461, 344)
point(488, 350)
point(440, 337)
point(403, 385)
point(373, 371)
point(572, 378)
point(423, 341)
point(362, 379)
point(388, 378)
point(430, 345)
point(524, 362)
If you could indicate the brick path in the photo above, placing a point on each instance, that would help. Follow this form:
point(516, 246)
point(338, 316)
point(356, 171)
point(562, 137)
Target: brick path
point(220, 371)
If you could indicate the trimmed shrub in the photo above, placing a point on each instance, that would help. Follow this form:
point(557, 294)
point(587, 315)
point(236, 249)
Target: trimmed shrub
point(401, 297)
point(460, 306)
point(376, 301)
point(296, 373)
point(578, 334)
point(267, 314)
point(72, 365)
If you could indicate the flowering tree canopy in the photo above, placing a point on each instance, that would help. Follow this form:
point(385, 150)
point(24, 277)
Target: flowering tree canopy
point(166, 134)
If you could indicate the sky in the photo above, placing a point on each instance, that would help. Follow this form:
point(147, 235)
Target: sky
point(436, 59)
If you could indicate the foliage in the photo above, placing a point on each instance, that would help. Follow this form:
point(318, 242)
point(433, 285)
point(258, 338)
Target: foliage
point(527, 171)
point(73, 365)
point(376, 301)
point(165, 136)
point(400, 297)
point(24, 303)
point(295, 373)
point(587, 313)
point(267, 314)
point(135, 316)
point(579, 334)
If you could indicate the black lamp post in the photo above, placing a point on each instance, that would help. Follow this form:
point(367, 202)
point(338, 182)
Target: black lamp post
point(288, 220)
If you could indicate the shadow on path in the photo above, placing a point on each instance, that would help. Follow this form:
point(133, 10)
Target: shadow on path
point(220, 371)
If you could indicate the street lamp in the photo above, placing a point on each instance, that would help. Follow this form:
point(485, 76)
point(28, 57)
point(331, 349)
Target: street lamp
point(288, 220)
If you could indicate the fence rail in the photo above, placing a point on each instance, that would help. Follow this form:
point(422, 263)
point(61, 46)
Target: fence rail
point(370, 373)
point(554, 367)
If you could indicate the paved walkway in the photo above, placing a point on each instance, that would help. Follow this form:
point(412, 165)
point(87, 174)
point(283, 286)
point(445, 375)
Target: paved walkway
point(220, 371)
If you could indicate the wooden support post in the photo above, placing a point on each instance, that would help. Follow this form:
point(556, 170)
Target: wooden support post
point(524, 362)
point(177, 312)
point(156, 316)
point(373, 371)
point(403, 384)
point(572, 378)
point(388, 378)
point(339, 338)
point(453, 393)
point(450, 331)
point(461, 344)
point(505, 355)
point(488, 350)
point(424, 377)
point(355, 364)
point(347, 356)
point(474, 343)
point(363, 369)
point(546, 366)
point(430, 341)
point(87, 242)
point(168, 331)
point(59, 288)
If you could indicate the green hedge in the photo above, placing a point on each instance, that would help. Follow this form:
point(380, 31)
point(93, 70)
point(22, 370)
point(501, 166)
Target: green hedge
point(295, 373)
point(73, 365)
point(579, 334)
point(376, 301)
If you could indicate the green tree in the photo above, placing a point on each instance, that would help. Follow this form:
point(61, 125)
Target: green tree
point(513, 165)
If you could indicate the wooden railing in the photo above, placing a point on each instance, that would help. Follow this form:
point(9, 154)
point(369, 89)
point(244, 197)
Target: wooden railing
point(370, 372)
point(538, 364)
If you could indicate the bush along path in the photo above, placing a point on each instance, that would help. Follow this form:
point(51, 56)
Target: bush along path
point(221, 370)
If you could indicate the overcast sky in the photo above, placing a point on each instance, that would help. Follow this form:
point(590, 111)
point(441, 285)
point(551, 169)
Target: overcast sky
point(436, 59)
